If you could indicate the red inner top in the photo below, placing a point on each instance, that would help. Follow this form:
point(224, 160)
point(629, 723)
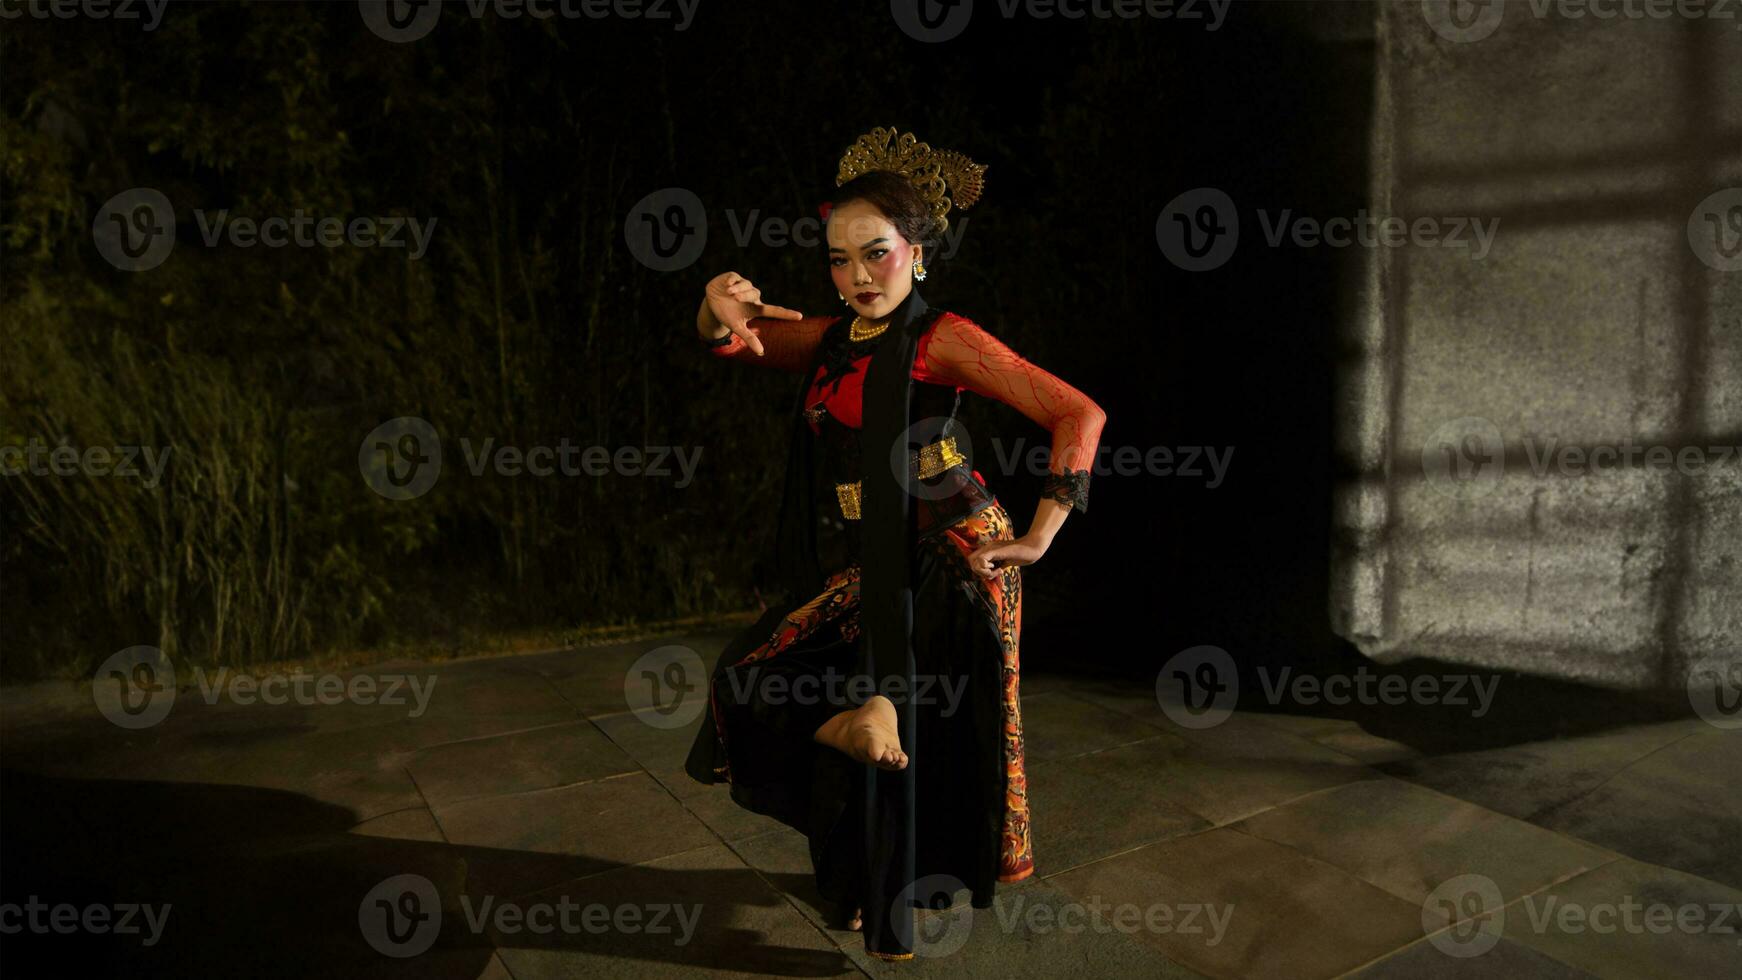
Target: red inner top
point(845, 399)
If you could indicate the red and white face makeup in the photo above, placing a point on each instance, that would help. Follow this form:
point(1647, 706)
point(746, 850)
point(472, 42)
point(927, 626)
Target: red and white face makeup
point(871, 263)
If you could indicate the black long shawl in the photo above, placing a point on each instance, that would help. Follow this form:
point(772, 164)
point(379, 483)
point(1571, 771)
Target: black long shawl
point(885, 597)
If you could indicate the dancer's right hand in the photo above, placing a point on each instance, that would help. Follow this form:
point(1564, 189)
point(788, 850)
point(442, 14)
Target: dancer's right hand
point(735, 301)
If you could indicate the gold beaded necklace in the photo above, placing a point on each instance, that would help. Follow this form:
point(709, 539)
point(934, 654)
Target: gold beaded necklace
point(858, 331)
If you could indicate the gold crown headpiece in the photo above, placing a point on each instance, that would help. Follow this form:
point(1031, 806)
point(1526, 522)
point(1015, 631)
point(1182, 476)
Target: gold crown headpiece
point(944, 178)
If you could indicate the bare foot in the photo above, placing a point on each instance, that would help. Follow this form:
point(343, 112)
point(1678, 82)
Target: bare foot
point(857, 922)
point(866, 733)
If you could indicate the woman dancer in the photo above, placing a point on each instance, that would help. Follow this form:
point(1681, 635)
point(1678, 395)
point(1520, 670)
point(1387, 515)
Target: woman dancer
point(876, 710)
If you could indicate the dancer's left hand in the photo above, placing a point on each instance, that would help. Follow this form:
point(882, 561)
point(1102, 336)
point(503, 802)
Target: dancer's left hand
point(988, 559)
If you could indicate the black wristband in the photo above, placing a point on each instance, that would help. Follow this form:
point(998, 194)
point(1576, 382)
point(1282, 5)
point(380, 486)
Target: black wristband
point(1070, 489)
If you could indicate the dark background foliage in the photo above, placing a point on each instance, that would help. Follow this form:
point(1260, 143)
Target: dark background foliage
point(530, 322)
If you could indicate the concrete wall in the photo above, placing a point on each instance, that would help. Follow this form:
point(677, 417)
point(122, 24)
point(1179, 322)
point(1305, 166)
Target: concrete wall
point(1597, 319)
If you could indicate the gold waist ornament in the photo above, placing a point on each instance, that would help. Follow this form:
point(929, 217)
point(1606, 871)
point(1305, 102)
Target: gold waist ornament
point(928, 462)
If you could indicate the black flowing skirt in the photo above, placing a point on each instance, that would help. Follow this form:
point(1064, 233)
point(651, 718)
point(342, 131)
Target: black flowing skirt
point(780, 679)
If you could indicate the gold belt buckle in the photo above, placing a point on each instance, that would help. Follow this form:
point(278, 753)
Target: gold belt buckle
point(936, 458)
point(930, 461)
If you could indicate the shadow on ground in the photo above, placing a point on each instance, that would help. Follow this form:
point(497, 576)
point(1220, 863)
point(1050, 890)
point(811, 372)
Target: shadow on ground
point(266, 883)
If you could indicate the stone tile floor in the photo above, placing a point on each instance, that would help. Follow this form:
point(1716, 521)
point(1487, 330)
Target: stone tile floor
point(1270, 845)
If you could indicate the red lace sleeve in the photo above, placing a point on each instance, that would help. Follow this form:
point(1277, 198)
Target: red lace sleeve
point(963, 354)
point(789, 345)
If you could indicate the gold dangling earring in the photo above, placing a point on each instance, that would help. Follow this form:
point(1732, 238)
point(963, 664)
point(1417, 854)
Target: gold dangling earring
point(919, 270)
